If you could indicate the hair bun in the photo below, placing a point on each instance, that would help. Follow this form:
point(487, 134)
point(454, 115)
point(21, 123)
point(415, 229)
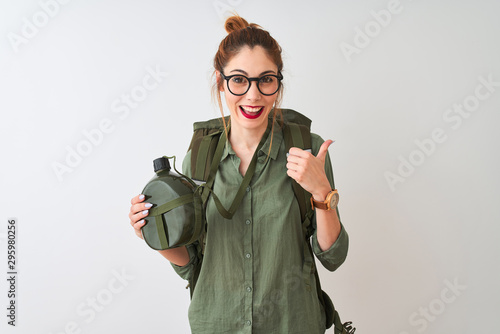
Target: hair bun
point(236, 22)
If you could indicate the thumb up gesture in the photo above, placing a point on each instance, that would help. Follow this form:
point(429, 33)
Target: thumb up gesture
point(309, 170)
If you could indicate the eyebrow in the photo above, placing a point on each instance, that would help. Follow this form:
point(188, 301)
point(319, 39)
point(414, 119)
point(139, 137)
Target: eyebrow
point(245, 73)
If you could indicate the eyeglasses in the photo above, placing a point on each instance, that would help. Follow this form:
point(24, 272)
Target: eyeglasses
point(239, 84)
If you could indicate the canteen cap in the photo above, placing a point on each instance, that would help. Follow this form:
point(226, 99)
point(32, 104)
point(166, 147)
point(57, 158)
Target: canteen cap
point(161, 164)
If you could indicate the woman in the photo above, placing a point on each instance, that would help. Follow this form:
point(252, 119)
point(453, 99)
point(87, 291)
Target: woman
point(253, 276)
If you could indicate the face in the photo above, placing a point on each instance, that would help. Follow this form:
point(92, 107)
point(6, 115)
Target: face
point(249, 111)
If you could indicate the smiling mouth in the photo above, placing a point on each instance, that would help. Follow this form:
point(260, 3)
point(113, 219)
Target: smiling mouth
point(251, 112)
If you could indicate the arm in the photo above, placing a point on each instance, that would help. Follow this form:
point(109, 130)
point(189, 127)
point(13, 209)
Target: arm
point(314, 173)
point(309, 171)
point(327, 224)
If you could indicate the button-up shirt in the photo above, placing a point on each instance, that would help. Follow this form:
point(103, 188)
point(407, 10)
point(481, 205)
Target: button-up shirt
point(255, 277)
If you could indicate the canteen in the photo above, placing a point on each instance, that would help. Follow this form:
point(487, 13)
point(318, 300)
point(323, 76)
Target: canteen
point(177, 217)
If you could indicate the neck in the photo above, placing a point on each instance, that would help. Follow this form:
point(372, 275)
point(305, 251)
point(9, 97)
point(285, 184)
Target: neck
point(245, 139)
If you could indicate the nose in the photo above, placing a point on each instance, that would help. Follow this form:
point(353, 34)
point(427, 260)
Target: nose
point(253, 93)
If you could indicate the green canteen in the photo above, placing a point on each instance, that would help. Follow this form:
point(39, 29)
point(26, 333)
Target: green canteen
point(176, 217)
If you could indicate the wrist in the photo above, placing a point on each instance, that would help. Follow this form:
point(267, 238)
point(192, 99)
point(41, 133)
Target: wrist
point(321, 194)
point(329, 203)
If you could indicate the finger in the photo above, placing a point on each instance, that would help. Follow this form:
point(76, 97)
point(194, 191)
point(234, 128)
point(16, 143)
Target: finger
point(140, 207)
point(294, 159)
point(295, 175)
point(134, 218)
point(324, 149)
point(137, 199)
point(137, 228)
point(295, 151)
point(295, 167)
point(291, 173)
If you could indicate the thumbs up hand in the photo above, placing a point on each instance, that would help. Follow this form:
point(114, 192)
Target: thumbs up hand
point(309, 170)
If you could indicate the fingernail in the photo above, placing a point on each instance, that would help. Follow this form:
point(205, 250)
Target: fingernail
point(145, 212)
point(148, 205)
point(141, 197)
point(141, 221)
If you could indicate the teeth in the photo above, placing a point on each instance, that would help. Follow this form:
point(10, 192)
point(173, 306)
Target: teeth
point(251, 109)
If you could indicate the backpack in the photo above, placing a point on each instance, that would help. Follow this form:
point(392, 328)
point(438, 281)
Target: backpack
point(206, 140)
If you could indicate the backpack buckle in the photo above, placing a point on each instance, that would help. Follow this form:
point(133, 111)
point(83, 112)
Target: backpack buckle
point(349, 329)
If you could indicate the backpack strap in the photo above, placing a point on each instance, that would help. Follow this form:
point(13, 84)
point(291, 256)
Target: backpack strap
point(299, 135)
point(203, 150)
point(203, 144)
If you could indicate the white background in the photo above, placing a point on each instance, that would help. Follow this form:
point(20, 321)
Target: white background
point(436, 226)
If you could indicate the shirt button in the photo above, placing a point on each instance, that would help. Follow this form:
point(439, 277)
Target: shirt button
point(248, 188)
point(248, 222)
point(249, 322)
point(249, 289)
point(248, 255)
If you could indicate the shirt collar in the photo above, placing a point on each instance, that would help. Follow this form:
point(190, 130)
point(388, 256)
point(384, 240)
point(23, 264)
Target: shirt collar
point(264, 150)
point(228, 150)
point(277, 138)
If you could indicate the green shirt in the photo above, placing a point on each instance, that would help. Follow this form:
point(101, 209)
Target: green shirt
point(255, 277)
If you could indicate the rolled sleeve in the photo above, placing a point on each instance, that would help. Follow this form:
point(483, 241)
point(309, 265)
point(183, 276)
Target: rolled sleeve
point(186, 271)
point(333, 257)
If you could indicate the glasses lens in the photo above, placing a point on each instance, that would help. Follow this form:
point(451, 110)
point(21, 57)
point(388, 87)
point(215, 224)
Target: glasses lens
point(238, 84)
point(268, 85)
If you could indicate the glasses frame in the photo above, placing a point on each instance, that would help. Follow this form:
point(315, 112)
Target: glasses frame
point(279, 77)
